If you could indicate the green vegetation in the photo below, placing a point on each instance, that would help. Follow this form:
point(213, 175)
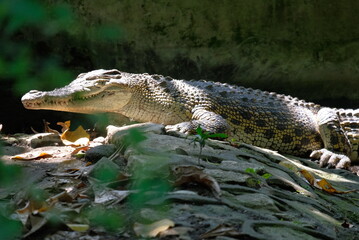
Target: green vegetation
point(28, 60)
point(253, 171)
point(110, 219)
point(32, 53)
point(28, 24)
point(9, 176)
point(147, 187)
point(150, 178)
point(201, 138)
point(9, 229)
point(257, 178)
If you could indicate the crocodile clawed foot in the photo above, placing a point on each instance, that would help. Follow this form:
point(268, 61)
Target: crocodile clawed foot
point(183, 128)
point(331, 159)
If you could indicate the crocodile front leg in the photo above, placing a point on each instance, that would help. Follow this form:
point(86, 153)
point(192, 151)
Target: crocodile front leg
point(336, 143)
point(209, 121)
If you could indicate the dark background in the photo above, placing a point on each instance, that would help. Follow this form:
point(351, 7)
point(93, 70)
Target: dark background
point(308, 49)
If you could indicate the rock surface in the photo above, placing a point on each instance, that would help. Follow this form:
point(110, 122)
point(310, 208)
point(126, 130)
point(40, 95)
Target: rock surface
point(281, 207)
point(241, 192)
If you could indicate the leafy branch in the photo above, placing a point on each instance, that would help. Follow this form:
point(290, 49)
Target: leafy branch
point(201, 138)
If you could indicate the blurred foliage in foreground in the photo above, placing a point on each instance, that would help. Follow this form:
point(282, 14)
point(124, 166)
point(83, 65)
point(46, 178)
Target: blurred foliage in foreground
point(109, 198)
point(9, 228)
point(21, 59)
point(28, 61)
point(31, 54)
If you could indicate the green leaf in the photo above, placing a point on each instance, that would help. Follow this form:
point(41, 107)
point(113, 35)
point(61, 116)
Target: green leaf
point(109, 219)
point(9, 174)
point(218, 135)
point(199, 131)
point(105, 174)
point(266, 175)
point(9, 229)
point(135, 136)
point(250, 170)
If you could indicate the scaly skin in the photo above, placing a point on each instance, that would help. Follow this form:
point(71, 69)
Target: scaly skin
point(264, 119)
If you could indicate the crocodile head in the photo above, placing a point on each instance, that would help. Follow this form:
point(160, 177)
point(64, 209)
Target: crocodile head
point(92, 92)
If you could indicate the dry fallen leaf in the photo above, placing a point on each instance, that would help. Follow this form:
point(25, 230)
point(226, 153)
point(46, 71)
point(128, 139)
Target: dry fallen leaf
point(61, 197)
point(288, 165)
point(65, 125)
point(37, 222)
point(322, 184)
point(152, 230)
point(175, 231)
point(326, 186)
point(84, 148)
point(110, 196)
point(31, 156)
point(47, 128)
point(36, 215)
point(307, 175)
point(79, 137)
point(188, 174)
point(78, 227)
point(31, 207)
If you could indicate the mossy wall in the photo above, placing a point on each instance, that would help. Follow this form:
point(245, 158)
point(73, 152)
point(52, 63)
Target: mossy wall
point(308, 48)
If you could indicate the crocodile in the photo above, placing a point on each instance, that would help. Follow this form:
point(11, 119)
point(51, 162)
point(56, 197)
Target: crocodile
point(265, 119)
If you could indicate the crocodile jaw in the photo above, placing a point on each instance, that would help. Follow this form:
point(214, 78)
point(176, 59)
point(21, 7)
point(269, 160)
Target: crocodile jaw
point(94, 92)
point(100, 102)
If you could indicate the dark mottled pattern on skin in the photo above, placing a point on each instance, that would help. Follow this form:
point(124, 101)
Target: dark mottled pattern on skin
point(269, 133)
point(287, 138)
point(235, 122)
point(281, 126)
point(246, 115)
point(249, 130)
point(260, 123)
point(298, 132)
point(305, 141)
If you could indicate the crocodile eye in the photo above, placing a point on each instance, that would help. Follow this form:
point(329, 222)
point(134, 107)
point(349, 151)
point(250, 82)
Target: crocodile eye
point(101, 82)
point(113, 72)
point(92, 77)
